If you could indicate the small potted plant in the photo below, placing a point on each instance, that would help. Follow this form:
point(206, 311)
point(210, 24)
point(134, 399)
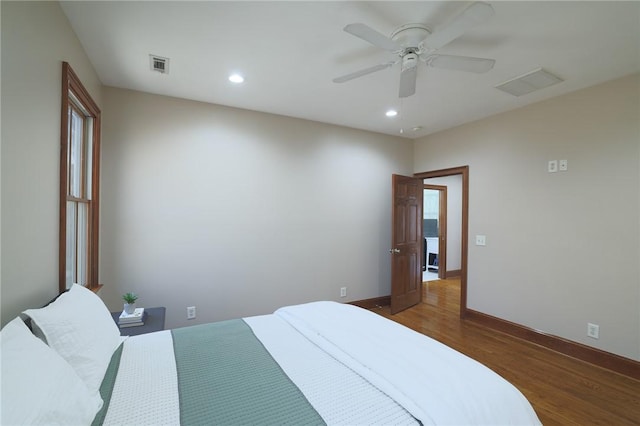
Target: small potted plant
point(129, 302)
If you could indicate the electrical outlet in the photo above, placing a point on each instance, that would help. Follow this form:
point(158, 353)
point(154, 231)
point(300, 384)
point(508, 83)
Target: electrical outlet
point(343, 292)
point(593, 330)
point(481, 240)
point(191, 312)
point(552, 166)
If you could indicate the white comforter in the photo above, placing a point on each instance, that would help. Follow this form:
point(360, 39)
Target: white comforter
point(353, 366)
point(435, 383)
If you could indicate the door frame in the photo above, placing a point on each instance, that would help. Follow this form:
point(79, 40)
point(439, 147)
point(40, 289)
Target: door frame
point(464, 171)
point(442, 227)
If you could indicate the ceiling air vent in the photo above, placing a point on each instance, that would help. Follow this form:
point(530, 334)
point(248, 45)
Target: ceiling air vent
point(160, 64)
point(529, 82)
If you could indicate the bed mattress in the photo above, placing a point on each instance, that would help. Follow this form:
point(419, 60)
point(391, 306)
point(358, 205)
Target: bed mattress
point(317, 363)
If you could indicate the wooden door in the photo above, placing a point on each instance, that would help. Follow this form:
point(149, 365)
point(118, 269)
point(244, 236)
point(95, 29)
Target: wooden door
point(406, 238)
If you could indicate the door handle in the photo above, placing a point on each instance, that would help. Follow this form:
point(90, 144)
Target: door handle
point(394, 250)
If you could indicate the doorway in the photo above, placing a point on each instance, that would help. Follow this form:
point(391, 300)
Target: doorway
point(434, 231)
point(463, 173)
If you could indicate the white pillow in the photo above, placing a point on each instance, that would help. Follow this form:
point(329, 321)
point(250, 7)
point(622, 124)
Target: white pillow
point(38, 386)
point(80, 328)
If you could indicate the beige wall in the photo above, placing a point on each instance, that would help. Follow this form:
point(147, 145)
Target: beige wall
point(239, 212)
point(36, 38)
point(563, 248)
point(181, 180)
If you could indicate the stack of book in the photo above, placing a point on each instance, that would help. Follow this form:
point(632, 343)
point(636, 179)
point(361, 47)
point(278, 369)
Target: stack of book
point(131, 320)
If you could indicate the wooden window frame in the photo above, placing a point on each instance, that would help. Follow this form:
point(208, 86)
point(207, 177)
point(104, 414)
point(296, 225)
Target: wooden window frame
point(71, 85)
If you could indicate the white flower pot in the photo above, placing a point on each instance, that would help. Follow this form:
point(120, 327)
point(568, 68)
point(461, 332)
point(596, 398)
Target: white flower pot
point(129, 307)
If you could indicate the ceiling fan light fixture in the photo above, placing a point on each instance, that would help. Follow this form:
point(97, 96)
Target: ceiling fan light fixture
point(410, 60)
point(529, 82)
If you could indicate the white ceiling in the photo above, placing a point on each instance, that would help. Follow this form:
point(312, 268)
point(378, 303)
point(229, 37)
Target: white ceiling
point(289, 52)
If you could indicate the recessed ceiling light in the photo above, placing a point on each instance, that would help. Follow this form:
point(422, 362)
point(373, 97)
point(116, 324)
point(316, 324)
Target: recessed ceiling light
point(236, 78)
point(391, 113)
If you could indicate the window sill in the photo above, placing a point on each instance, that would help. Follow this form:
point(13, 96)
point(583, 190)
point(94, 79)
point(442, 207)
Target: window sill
point(96, 288)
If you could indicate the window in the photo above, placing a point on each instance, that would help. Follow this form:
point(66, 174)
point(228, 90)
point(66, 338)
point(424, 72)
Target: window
point(79, 184)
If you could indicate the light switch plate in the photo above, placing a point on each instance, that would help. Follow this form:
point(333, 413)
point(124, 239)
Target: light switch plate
point(481, 240)
point(563, 165)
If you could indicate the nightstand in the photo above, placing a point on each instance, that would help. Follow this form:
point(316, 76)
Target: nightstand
point(153, 321)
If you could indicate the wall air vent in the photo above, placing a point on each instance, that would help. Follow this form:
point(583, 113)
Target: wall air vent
point(158, 63)
point(529, 82)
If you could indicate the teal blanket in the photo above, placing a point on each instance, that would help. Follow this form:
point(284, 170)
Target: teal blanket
point(106, 388)
point(226, 377)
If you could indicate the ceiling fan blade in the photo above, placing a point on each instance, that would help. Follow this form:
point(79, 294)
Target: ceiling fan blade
point(372, 36)
point(360, 73)
point(470, 17)
point(460, 63)
point(408, 82)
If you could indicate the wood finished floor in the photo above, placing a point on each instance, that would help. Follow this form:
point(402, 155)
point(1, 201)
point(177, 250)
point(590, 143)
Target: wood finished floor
point(562, 390)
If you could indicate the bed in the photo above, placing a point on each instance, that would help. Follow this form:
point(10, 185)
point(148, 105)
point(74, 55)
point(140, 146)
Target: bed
point(316, 363)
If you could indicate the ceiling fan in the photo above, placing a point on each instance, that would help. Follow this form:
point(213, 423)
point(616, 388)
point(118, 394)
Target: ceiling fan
point(413, 42)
